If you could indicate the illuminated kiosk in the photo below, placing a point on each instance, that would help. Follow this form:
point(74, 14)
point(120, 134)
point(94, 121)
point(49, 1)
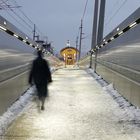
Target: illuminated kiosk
point(69, 54)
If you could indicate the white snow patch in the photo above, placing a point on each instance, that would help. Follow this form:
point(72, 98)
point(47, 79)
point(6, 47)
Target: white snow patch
point(52, 69)
point(131, 113)
point(14, 110)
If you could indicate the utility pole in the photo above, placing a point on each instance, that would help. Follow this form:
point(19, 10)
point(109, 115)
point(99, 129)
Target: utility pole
point(76, 47)
point(80, 41)
point(34, 34)
point(100, 28)
point(101, 21)
point(94, 30)
point(34, 31)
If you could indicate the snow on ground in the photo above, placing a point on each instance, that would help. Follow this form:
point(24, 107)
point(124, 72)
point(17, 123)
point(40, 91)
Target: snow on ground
point(15, 109)
point(131, 113)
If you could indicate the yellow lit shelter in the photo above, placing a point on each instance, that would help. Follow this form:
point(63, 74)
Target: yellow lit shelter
point(69, 55)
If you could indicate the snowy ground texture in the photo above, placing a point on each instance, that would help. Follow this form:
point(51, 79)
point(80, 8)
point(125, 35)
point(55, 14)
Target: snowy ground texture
point(131, 112)
point(79, 107)
point(14, 111)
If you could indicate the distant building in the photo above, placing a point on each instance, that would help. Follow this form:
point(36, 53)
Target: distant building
point(46, 46)
point(69, 54)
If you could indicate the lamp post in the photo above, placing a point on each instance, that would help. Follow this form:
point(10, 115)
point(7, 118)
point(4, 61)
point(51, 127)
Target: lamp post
point(97, 36)
point(76, 47)
point(80, 41)
point(94, 31)
point(100, 28)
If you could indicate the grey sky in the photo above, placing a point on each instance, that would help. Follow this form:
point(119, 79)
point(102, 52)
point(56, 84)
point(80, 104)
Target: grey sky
point(59, 20)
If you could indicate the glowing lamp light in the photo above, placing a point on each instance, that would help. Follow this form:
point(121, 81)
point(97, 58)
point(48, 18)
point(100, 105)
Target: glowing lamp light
point(118, 29)
point(4, 22)
point(15, 35)
point(24, 40)
point(3, 28)
point(111, 38)
point(121, 32)
point(132, 25)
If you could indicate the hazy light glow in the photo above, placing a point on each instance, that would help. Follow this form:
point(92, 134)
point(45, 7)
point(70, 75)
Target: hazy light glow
point(133, 24)
point(24, 40)
point(3, 28)
point(111, 38)
point(15, 35)
point(120, 32)
point(118, 29)
point(5, 23)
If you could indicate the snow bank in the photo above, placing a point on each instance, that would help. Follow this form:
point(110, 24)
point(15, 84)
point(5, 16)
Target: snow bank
point(131, 113)
point(14, 110)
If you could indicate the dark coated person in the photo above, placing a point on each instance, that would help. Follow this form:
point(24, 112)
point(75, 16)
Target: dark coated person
point(40, 75)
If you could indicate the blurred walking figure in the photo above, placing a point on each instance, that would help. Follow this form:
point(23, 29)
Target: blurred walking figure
point(40, 75)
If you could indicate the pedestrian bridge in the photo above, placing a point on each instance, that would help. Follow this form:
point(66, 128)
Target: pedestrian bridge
point(78, 108)
point(100, 103)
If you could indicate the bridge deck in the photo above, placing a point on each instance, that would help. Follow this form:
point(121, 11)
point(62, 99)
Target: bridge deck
point(77, 109)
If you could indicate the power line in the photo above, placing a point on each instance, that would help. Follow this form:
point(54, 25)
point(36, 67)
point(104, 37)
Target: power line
point(5, 1)
point(85, 9)
point(113, 7)
point(15, 19)
point(81, 30)
point(28, 18)
point(23, 12)
point(21, 19)
point(116, 12)
point(18, 15)
point(27, 22)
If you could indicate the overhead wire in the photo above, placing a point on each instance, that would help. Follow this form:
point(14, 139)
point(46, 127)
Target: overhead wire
point(80, 33)
point(23, 12)
point(27, 17)
point(116, 12)
point(30, 27)
point(84, 10)
point(5, 1)
point(83, 15)
point(15, 18)
point(113, 7)
point(27, 24)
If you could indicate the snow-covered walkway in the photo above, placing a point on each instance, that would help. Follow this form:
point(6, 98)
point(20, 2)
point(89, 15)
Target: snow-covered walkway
point(77, 109)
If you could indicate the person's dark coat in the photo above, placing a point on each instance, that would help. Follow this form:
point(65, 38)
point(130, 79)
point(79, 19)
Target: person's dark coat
point(40, 74)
